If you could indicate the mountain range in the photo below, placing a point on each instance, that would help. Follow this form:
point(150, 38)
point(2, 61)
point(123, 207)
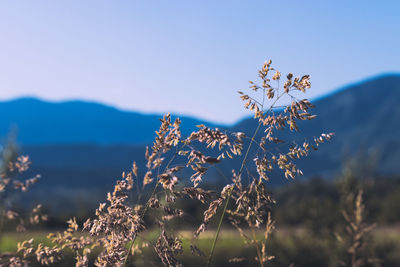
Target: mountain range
point(78, 122)
point(78, 145)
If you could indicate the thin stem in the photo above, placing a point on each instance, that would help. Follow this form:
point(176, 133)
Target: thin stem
point(147, 205)
point(240, 173)
point(219, 228)
point(141, 217)
point(227, 200)
point(257, 248)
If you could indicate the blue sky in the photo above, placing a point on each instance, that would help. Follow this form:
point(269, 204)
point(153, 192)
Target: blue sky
point(189, 57)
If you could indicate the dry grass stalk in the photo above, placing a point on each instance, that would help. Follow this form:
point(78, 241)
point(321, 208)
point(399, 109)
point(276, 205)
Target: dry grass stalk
point(252, 201)
point(12, 167)
point(358, 232)
point(117, 223)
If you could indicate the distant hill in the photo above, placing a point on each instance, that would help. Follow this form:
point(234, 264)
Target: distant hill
point(77, 122)
point(86, 145)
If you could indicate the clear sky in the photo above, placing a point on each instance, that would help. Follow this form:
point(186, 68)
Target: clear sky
point(188, 57)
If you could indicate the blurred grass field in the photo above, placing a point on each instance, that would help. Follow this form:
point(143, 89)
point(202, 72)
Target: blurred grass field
point(289, 245)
